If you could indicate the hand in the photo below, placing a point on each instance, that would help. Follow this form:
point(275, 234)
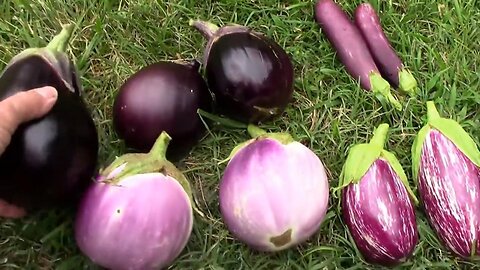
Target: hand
point(15, 110)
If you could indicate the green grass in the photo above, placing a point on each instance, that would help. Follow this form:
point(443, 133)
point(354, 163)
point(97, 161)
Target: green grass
point(438, 40)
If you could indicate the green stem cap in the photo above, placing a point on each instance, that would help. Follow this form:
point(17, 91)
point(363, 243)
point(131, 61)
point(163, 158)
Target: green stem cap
point(407, 83)
point(61, 40)
point(432, 112)
point(381, 86)
point(207, 29)
point(380, 135)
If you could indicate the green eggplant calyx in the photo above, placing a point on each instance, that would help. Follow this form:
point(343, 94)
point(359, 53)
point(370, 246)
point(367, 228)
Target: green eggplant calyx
point(59, 43)
point(154, 161)
point(450, 129)
point(258, 134)
point(207, 29)
point(361, 157)
point(407, 82)
point(381, 87)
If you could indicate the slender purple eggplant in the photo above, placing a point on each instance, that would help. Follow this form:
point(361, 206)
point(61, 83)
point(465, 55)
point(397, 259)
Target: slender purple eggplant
point(387, 60)
point(446, 165)
point(377, 202)
point(352, 49)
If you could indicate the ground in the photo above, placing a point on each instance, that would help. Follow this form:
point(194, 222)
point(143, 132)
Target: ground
point(438, 41)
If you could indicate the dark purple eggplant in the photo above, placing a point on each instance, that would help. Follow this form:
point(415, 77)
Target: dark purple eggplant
point(51, 160)
point(352, 50)
point(377, 202)
point(387, 60)
point(446, 167)
point(163, 96)
point(249, 73)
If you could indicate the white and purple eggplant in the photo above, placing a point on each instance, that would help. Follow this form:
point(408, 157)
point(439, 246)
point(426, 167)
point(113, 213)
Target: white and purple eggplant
point(445, 166)
point(378, 203)
point(138, 213)
point(387, 60)
point(352, 50)
point(274, 192)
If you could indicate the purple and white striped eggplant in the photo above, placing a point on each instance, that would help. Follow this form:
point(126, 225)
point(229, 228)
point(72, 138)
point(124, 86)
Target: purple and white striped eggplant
point(446, 167)
point(274, 192)
point(377, 202)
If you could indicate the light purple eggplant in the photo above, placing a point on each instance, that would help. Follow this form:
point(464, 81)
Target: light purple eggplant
point(138, 214)
point(377, 203)
point(274, 192)
point(446, 165)
point(390, 65)
point(351, 48)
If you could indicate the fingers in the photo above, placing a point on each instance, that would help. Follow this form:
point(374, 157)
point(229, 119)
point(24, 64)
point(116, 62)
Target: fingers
point(11, 211)
point(22, 107)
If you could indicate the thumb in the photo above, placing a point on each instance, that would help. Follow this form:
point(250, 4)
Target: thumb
point(23, 107)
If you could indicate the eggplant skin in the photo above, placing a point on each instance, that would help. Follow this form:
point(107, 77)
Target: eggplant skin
point(50, 160)
point(250, 75)
point(449, 187)
point(380, 216)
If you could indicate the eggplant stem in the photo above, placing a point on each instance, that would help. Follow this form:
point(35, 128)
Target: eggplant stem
point(432, 112)
point(380, 135)
point(61, 40)
point(255, 131)
point(381, 86)
point(407, 82)
point(207, 29)
point(222, 120)
point(159, 148)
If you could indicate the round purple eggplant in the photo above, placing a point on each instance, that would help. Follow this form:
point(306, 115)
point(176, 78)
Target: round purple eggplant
point(163, 96)
point(137, 214)
point(377, 203)
point(249, 73)
point(51, 160)
point(274, 192)
point(446, 164)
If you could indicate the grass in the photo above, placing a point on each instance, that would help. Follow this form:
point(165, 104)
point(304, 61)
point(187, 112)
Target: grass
point(438, 40)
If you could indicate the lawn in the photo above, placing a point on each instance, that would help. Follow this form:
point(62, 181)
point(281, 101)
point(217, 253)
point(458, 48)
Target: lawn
point(438, 40)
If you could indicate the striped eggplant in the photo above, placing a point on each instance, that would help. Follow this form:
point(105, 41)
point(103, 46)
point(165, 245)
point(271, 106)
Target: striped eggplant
point(445, 166)
point(377, 202)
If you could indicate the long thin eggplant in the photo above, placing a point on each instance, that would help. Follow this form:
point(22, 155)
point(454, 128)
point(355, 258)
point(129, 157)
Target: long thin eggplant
point(377, 202)
point(387, 60)
point(352, 49)
point(446, 164)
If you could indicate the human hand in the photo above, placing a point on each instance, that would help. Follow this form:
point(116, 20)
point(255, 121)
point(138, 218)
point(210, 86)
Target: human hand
point(14, 111)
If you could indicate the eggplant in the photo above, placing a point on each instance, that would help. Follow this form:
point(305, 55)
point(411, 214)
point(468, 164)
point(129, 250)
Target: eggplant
point(163, 96)
point(352, 50)
point(378, 203)
point(387, 60)
point(141, 201)
point(250, 74)
point(51, 160)
point(274, 192)
point(445, 163)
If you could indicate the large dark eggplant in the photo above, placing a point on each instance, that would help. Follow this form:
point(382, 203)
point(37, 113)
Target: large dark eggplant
point(446, 167)
point(51, 160)
point(377, 202)
point(250, 74)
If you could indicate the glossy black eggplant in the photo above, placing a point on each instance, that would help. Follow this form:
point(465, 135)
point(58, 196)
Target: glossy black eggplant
point(51, 160)
point(163, 96)
point(249, 73)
